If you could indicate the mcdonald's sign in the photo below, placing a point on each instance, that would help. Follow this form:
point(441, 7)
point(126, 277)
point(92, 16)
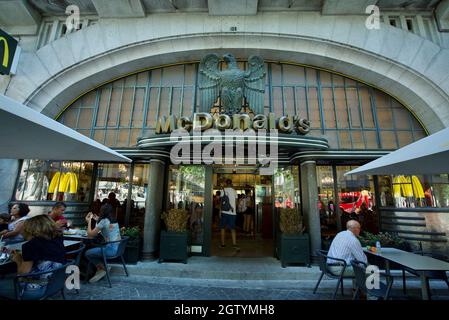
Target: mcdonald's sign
point(8, 53)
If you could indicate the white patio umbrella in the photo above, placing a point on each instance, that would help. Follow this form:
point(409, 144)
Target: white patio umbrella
point(429, 155)
point(28, 134)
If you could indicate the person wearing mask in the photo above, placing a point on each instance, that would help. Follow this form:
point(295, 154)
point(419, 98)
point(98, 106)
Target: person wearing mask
point(228, 214)
point(107, 226)
point(19, 213)
point(43, 251)
point(56, 214)
point(332, 221)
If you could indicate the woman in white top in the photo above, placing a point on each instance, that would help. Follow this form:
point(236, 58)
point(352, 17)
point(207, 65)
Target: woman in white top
point(19, 213)
point(109, 229)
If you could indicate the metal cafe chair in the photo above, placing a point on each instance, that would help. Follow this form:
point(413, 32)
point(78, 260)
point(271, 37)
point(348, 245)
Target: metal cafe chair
point(324, 267)
point(383, 291)
point(120, 251)
point(74, 256)
point(55, 283)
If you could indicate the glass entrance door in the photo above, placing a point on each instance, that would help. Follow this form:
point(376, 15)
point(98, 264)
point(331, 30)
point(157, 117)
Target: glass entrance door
point(264, 207)
point(186, 191)
point(254, 223)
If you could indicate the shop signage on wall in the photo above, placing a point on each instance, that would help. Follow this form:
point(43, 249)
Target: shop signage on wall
point(232, 85)
point(9, 53)
point(203, 121)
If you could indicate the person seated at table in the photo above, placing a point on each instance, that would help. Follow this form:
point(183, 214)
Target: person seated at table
point(346, 246)
point(107, 226)
point(19, 213)
point(44, 251)
point(56, 214)
point(4, 221)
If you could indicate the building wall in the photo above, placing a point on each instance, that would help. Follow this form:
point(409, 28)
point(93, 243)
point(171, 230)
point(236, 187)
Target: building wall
point(410, 66)
point(406, 65)
point(349, 114)
point(8, 172)
point(426, 226)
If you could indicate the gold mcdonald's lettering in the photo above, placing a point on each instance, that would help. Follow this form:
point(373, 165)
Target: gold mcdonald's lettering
point(165, 125)
point(5, 53)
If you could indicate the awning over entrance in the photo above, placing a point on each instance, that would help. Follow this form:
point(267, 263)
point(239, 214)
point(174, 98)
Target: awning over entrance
point(287, 145)
point(27, 134)
point(429, 155)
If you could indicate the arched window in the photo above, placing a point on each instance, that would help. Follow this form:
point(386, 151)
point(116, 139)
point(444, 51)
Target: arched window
point(349, 114)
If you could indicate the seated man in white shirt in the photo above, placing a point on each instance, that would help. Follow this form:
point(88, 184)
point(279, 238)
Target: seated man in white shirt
point(346, 246)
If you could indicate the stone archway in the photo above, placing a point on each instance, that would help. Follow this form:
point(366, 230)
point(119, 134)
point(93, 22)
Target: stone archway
point(58, 73)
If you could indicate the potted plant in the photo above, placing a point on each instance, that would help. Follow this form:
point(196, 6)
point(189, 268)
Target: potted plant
point(174, 240)
point(132, 251)
point(293, 243)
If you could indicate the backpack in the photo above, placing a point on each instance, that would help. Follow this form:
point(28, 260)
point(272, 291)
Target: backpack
point(225, 204)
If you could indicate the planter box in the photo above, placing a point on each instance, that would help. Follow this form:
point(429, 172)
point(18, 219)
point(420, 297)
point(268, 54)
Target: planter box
point(132, 251)
point(294, 249)
point(174, 246)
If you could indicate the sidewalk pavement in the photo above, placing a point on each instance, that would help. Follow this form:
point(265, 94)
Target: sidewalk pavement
point(156, 288)
point(214, 278)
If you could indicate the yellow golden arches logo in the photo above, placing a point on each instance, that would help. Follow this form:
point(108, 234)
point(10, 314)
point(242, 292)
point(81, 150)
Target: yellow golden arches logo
point(5, 53)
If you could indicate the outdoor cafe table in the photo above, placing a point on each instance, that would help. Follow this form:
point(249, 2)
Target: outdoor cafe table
point(76, 234)
point(420, 264)
point(18, 246)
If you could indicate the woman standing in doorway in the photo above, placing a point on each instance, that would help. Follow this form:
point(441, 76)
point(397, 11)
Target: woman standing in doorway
point(248, 222)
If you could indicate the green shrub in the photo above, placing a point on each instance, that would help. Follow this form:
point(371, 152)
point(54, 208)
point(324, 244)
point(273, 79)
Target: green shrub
point(386, 239)
point(132, 232)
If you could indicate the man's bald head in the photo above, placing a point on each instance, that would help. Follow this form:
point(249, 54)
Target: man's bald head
point(353, 226)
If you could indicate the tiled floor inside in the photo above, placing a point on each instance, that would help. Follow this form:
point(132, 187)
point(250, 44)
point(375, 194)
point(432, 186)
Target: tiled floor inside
point(250, 246)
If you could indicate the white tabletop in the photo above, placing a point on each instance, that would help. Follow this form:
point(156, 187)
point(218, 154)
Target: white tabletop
point(411, 260)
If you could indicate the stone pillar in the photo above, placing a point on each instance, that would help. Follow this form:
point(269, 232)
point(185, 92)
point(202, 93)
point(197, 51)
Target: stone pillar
point(309, 196)
point(153, 209)
point(9, 170)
